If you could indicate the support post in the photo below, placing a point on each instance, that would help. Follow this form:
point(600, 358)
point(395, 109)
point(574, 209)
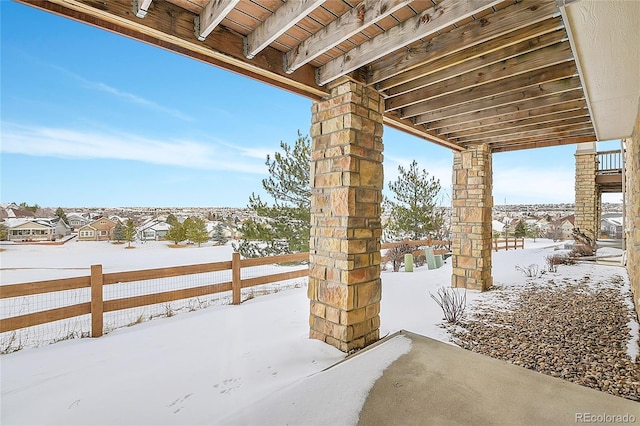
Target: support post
point(471, 221)
point(586, 190)
point(346, 193)
point(236, 282)
point(97, 305)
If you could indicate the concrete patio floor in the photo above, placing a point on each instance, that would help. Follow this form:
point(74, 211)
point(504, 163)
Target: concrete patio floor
point(440, 384)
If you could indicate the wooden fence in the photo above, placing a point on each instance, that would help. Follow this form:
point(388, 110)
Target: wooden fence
point(97, 280)
point(507, 243)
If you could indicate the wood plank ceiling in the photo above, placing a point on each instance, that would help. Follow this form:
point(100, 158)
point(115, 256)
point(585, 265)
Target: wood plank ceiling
point(455, 72)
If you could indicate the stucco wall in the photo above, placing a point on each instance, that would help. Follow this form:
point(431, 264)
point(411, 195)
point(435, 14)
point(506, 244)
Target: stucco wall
point(632, 198)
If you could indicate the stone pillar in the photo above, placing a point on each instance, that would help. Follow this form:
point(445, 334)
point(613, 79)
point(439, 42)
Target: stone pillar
point(632, 210)
point(587, 196)
point(471, 222)
point(346, 177)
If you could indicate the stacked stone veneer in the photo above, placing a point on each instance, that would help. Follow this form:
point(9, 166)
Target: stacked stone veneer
point(632, 214)
point(471, 223)
point(346, 174)
point(587, 194)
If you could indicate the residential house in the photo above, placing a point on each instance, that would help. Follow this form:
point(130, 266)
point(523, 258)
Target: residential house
point(14, 211)
point(611, 226)
point(36, 229)
point(153, 230)
point(562, 229)
point(99, 230)
point(77, 221)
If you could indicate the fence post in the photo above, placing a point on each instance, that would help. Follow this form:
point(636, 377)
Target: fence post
point(97, 307)
point(236, 285)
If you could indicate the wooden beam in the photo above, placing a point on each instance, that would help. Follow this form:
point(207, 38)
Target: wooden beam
point(542, 144)
point(446, 13)
point(493, 89)
point(504, 125)
point(500, 72)
point(407, 126)
point(553, 132)
point(475, 63)
point(212, 14)
point(355, 20)
point(512, 112)
point(171, 28)
point(509, 19)
point(285, 17)
point(549, 126)
point(496, 105)
point(140, 7)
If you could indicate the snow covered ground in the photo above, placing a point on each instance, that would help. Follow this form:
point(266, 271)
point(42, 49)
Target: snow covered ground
point(223, 364)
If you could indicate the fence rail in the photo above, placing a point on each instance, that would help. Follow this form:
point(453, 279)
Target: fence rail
point(609, 161)
point(507, 243)
point(98, 280)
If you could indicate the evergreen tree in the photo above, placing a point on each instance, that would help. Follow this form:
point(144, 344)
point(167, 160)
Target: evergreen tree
point(218, 235)
point(187, 226)
point(533, 232)
point(176, 233)
point(413, 212)
point(3, 232)
point(520, 230)
point(62, 215)
point(197, 231)
point(171, 219)
point(129, 232)
point(283, 227)
point(118, 232)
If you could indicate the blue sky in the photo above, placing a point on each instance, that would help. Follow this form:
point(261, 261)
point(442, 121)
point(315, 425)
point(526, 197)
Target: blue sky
point(89, 118)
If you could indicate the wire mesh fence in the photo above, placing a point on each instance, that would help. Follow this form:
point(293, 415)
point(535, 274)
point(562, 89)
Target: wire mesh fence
point(130, 298)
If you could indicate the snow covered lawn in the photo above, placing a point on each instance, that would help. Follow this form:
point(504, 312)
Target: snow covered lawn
point(219, 365)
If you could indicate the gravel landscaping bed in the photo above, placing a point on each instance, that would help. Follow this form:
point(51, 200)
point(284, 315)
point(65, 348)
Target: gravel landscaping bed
point(574, 329)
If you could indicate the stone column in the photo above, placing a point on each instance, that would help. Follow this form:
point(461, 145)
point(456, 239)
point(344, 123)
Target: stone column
point(346, 177)
point(587, 196)
point(471, 221)
point(632, 210)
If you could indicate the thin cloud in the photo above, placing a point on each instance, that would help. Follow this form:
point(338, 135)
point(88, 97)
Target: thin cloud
point(130, 97)
point(78, 144)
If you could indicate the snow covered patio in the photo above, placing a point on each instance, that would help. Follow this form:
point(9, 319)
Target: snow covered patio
point(222, 366)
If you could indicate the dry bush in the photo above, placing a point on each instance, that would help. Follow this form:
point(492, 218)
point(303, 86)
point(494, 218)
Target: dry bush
point(452, 303)
point(531, 271)
point(395, 255)
point(580, 250)
point(558, 259)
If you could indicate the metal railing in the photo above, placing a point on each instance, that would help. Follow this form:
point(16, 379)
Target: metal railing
point(610, 161)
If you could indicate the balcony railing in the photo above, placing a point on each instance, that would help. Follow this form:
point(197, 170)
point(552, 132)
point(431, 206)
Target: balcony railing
point(609, 162)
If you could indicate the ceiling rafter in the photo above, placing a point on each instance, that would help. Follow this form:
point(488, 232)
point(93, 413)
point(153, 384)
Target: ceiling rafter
point(542, 143)
point(528, 34)
point(496, 104)
point(212, 14)
point(428, 22)
point(355, 20)
point(503, 70)
point(140, 7)
point(508, 131)
point(509, 113)
point(550, 117)
point(564, 131)
point(498, 24)
point(477, 61)
point(285, 17)
point(494, 88)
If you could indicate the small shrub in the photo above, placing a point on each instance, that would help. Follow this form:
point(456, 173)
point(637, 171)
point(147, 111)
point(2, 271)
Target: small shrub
point(531, 271)
point(452, 303)
point(554, 260)
point(395, 254)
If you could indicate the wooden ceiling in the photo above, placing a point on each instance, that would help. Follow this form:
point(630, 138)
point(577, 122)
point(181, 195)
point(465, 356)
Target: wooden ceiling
point(455, 72)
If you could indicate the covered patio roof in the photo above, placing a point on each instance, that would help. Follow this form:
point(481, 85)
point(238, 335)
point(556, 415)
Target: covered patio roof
point(513, 74)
